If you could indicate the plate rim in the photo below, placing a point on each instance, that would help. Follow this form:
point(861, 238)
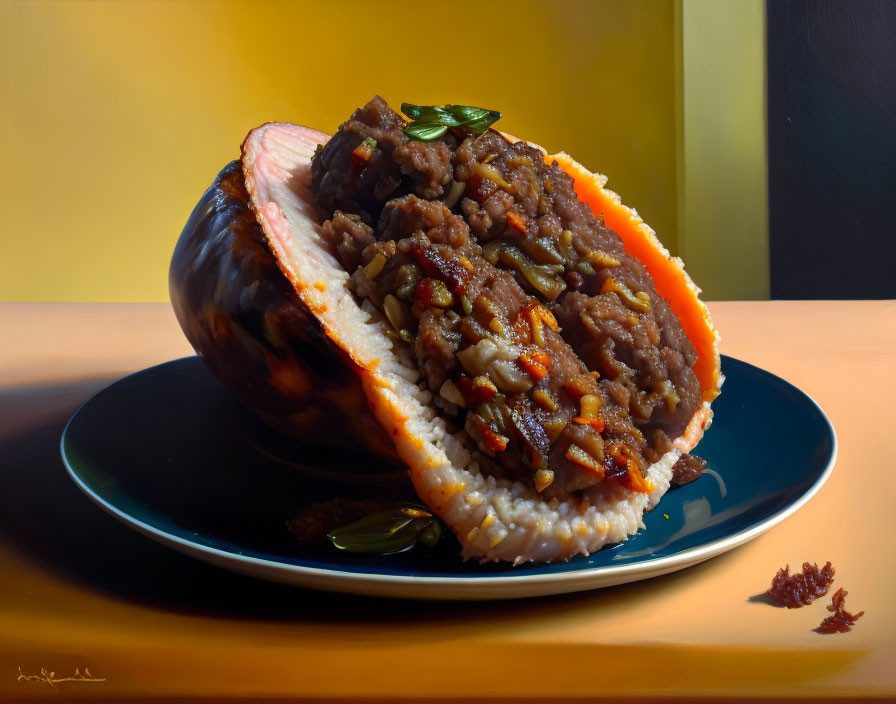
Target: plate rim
point(483, 586)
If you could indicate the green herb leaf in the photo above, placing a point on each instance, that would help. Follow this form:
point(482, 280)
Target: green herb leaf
point(411, 110)
point(431, 113)
point(466, 112)
point(388, 531)
point(470, 116)
point(425, 132)
point(430, 122)
point(483, 123)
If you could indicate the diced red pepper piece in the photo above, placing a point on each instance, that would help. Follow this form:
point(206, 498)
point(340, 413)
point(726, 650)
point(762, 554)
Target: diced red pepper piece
point(534, 369)
point(517, 223)
point(635, 480)
point(597, 422)
point(541, 357)
point(452, 273)
point(475, 390)
point(632, 478)
point(362, 153)
point(493, 441)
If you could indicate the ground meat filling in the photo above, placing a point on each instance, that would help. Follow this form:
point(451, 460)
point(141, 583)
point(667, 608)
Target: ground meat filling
point(489, 351)
point(801, 588)
point(369, 161)
point(535, 329)
point(840, 621)
point(528, 217)
point(687, 469)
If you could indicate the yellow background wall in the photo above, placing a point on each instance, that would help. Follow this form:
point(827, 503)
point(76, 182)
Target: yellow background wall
point(117, 115)
point(722, 156)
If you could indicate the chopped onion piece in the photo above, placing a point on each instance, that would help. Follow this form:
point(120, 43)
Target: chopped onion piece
point(450, 392)
point(476, 358)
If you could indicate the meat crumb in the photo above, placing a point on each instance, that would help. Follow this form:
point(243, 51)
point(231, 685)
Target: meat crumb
point(687, 469)
point(801, 588)
point(841, 621)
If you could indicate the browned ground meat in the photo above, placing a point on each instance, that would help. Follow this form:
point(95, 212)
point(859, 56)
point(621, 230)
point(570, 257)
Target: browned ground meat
point(613, 317)
point(840, 621)
point(801, 588)
point(455, 241)
point(687, 469)
point(343, 180)
point(470, 324)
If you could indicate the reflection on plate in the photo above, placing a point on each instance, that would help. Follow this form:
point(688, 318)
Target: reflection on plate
point(169, 452)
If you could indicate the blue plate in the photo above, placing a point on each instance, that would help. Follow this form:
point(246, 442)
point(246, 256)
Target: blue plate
point(169, 452)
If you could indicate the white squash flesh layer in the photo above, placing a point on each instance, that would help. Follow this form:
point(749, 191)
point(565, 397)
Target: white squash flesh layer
point(494, 519)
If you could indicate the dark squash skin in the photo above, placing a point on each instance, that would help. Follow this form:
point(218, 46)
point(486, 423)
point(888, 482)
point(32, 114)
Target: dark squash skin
point(246, 322)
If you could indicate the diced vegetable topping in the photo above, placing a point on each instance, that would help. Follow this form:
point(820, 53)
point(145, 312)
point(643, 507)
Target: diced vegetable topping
point(362, 153)
point(543, 479)
point(581, 458)
point(637, 301)
point(433, 293)
point(535, 364)
point(493, 441)
point(516, 223)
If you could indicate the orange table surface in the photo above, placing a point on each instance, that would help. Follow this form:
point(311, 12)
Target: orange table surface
point(77, 589)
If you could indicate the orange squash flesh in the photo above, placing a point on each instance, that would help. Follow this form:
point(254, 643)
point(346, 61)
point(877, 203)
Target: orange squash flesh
point(672, 282)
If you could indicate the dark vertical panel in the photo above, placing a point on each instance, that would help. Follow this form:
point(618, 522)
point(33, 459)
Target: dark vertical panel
point(832, 148)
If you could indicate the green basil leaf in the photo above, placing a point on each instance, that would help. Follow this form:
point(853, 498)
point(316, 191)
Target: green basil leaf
point(471, 115)
point(443, 117)
point(467, 113)
point(483, 122)
point(429, 121)
point(433, 114)
point(386, 532)
point(411, 110)
point(425, 132)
